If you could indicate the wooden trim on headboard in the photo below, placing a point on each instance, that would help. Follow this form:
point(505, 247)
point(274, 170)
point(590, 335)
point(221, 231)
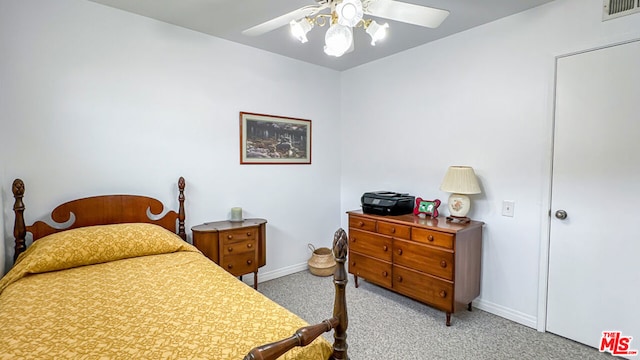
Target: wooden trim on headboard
point(97, 210)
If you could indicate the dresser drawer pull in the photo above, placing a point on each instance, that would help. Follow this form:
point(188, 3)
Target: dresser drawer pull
point(430, 238)
point(399, 251)
point(353, 263)
point(385, 248)
point(229, 237)
point(229, 266)
point(399, 278)
point(249, 245)
point(443, 294)
point(393, 230)
point(443, 264)
point(230, 249)
point(360, 223)
point(353, 239)
point(384, 273)
point(248, 233)
point(249, 262)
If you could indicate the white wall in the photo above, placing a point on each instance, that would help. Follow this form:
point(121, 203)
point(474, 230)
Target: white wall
point(482, 98)
point(97, 100)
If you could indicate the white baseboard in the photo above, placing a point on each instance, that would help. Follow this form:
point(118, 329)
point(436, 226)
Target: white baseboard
point(274, 274)
point(507, 313)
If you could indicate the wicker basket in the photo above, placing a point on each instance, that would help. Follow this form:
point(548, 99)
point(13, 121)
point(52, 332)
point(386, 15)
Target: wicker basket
point(321, 262)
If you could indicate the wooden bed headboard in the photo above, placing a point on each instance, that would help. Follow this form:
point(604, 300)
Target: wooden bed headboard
point(97, 210)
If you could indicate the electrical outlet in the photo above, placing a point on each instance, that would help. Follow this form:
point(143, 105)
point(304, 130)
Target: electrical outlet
point(508, 208)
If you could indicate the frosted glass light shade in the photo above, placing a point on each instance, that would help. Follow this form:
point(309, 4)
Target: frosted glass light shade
point(377, 31)
point(349, 12)
point(300, 28)
point(337, 40)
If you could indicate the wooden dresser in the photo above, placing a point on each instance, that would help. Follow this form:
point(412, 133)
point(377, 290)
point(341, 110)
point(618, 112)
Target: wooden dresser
point(430, 260)
point(237, 246)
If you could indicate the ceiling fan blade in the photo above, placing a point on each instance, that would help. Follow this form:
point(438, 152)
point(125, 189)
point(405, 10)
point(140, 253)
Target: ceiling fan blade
point(283, 20)
point(405, 12)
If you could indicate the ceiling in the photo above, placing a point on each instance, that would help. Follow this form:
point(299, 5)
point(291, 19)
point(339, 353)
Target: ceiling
point(227, 19)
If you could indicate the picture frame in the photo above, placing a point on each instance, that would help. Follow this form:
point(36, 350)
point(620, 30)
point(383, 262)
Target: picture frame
point(427, 207)
point(269, 139)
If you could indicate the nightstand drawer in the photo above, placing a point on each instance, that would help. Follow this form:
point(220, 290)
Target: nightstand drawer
point(394, 230)
point(232, 248)
point(231, 236)
point(240, 264)
point(361, 223)
point(423, 258)
point(434, 238)
point(424, 288)
point(378, 246)
point(376, 271)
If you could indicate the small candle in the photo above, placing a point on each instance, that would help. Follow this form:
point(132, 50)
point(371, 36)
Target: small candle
point(236, 214)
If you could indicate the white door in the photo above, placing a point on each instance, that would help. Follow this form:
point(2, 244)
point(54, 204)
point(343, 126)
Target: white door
point(594, 254)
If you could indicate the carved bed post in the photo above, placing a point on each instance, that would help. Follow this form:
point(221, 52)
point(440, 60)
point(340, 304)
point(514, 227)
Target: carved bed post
point(181, 212)
point(339, 322)
point(19, 228)
point(340, 245)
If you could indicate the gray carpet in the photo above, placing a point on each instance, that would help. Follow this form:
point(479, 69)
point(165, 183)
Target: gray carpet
point(385, 325)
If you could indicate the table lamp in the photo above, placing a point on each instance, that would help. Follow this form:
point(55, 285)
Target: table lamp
point(460, 181)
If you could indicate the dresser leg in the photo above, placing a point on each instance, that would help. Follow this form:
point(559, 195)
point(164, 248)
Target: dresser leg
point(255, 280)
point(469, 307)
point(448, 319)
point(355, 278)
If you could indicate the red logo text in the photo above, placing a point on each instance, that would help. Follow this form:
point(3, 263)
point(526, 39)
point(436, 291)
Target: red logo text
point(616, 344)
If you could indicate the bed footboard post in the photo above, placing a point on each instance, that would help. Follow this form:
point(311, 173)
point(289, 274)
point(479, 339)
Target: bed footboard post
point(19, 228)
point(181, 212)
point(340, 246)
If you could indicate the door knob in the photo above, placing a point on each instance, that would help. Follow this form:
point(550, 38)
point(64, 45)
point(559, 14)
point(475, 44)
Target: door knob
point(561, 214)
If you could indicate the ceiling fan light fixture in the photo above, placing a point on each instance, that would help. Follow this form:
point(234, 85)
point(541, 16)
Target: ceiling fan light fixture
point(349, 12)
point(337, 40)
point(300, 28)
point(377, 31)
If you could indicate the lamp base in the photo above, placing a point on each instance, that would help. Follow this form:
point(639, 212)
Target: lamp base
point(458, 219)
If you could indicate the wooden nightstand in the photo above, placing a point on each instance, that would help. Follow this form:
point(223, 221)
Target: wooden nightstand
point(237, 246)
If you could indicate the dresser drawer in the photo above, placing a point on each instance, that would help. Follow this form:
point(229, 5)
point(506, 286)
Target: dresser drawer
point(378, 246)
point(394, 230)
point(238, 247)
point(425, 288)
point(362, 223)
point(434, 238)
point(374, 270)
point(231, 236)
point(423, 258)
point(240, 264)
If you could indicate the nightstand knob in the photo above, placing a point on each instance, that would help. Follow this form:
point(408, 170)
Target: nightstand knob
point(229, 266)
point(353, 239)
point(399, 278)
point(430, 238)
point(248, 233)
point(249, 245)
point(353, 263)
point(443, 264)
point(230, 249)
point(249, 262)
point(393, 230)
point(443, 294)
point(229, 237)
point(361, 224)
point(399, 251)
point(384, 273)
point(385, 248)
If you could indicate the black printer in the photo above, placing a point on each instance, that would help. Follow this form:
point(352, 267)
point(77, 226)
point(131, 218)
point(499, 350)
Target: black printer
point(387, 203)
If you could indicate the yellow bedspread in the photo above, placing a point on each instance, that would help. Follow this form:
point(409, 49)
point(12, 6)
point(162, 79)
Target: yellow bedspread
point(142, 293)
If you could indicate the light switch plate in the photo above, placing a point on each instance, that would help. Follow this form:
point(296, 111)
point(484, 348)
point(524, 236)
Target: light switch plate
point(508, 208)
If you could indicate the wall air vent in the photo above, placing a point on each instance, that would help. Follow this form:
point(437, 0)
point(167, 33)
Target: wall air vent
point(615, 8)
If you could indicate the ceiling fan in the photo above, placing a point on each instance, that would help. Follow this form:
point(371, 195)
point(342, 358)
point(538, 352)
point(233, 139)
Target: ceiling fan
point(344, 15)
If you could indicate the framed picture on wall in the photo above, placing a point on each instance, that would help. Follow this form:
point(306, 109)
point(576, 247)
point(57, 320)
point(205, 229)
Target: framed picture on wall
point(268, 139)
